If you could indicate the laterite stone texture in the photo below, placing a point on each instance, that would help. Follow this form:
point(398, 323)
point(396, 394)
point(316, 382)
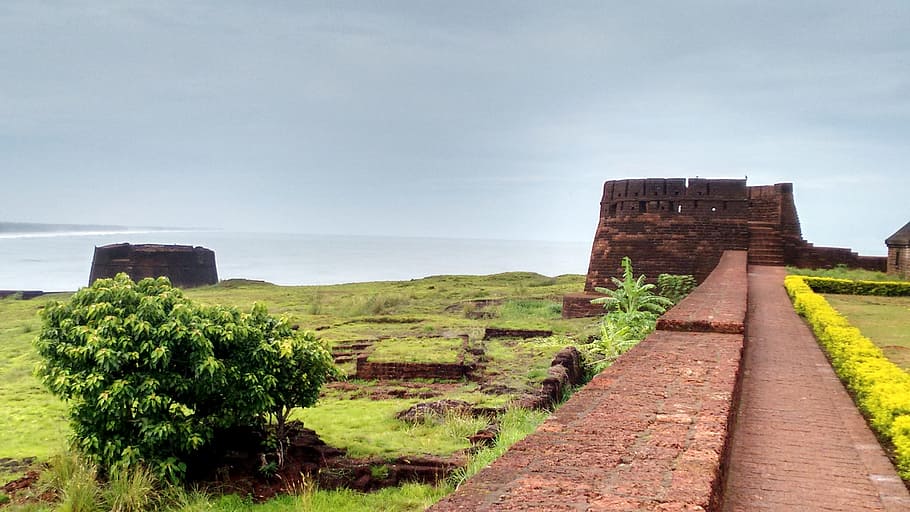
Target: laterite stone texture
point(682, 226)
point(648, 433)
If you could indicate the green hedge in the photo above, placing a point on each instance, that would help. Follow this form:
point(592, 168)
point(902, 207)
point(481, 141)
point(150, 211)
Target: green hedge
point(850, 287)
point(881, 389)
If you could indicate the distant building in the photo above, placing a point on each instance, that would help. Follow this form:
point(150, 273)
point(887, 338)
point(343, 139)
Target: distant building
point(899, 252)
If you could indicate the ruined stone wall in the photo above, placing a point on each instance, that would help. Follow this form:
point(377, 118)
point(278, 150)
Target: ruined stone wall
point(184, 265)
point(810, 256)
point(368, 370)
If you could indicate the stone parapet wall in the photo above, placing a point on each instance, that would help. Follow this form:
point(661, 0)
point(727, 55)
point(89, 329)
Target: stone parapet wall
point(648, 433)
point(368, 370)
point(830, 257)
point(718, 305)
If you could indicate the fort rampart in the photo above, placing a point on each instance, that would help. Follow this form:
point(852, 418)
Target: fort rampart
point(648, 433)
point(682, 226)
point(186, 266)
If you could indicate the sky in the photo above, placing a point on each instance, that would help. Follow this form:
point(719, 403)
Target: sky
point(487, 119)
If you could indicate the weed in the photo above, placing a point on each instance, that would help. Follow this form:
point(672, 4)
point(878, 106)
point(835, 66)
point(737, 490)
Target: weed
point(82, 493)
point(514, 425)
point(130, 490)
point(380, 471)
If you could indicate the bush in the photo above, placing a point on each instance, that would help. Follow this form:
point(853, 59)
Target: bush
point(881, 389)
point(150, 376)
point(632, 311)
point(675, 287)
point(851, 287)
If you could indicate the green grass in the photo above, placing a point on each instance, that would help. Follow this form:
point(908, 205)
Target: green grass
point(842, 272)
point(368, 428)
point(34, 423)
point(408, 497)
point(417, 350)
point(884, 320)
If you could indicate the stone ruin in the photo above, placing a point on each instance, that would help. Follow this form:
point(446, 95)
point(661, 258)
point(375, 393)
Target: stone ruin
point(682, 226)
point(186, 266)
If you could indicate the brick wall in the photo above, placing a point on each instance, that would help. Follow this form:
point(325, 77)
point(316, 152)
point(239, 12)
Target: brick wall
point(898, 261)
point(648, 433)
point(680, 226)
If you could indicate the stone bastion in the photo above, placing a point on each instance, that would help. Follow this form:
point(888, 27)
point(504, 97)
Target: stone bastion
point(186, 266)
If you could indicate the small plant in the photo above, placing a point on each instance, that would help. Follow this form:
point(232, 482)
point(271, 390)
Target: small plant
point(675, 287)
point(380, 471)
point(130, 490)
point(632, 294)
point(268, 468)
point(632, 311)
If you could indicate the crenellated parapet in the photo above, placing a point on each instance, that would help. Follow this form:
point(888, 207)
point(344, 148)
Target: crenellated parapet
point(708, 198)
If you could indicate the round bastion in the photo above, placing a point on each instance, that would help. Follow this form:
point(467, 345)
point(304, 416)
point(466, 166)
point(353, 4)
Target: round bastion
point(186, 266)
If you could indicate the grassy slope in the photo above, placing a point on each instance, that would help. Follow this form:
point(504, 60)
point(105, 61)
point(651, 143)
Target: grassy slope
point(884, 320)
point(33, 423)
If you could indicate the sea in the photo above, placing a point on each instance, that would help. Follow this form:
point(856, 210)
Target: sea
point(61, 261)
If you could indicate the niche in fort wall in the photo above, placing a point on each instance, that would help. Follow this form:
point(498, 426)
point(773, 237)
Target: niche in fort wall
point(186, 266)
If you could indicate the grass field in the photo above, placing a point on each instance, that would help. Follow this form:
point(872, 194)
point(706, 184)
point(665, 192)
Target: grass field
point(442, 307)
point(884, 320)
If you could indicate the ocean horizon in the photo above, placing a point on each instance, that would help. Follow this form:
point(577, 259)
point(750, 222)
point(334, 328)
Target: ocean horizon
point(61, 261)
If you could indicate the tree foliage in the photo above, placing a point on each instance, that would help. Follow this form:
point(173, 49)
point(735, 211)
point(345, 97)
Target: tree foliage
point(150, 376)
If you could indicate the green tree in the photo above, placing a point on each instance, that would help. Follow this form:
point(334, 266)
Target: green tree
point(150, 376)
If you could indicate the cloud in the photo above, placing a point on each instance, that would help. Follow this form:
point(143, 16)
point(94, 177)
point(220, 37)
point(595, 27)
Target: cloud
point(499, 119)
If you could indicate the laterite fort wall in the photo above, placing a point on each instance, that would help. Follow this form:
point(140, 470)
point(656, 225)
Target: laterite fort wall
point(184, 265)
point(648, 433)
point(682, 226)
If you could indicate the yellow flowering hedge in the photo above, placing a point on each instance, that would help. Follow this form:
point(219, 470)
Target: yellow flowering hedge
point(880, 388)
point(850, 287)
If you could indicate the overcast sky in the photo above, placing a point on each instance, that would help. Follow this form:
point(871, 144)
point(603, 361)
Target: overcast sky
point(455, 119)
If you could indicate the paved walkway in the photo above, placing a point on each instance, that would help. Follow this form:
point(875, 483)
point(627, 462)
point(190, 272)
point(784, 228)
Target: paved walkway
point(799, 442)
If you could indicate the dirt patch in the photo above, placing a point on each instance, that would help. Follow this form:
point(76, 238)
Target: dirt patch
point(494, 332)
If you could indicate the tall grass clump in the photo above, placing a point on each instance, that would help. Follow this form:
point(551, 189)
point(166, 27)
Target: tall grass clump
point(514, 425)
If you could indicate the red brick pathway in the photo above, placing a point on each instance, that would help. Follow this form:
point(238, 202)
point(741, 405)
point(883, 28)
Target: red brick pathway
point(799, 442)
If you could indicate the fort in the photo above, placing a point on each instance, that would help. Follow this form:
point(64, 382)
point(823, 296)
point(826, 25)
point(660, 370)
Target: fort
point(682, 226)
point(186, 266)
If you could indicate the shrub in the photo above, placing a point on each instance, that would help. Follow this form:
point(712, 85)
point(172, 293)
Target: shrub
point(632, 311)
point(851, 287)
point(632, 294)
point(881, 389)
point(150, 376)
point(675, 287)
